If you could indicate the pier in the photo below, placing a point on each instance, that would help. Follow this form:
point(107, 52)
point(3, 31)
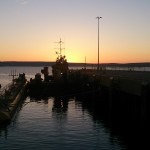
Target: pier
point(120, 94)
point(129, 82)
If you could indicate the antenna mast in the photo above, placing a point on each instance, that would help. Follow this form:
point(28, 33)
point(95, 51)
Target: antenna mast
point(60, 47)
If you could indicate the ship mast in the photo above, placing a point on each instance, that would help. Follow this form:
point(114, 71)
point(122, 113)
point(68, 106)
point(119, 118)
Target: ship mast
point(60, 48)
point(60, 68)
point(60, 42)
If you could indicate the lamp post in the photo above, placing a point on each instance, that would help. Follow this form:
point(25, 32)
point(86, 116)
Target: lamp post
point(98, 41)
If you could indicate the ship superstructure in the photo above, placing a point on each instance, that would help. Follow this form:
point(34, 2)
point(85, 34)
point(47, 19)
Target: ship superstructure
point(60, 68)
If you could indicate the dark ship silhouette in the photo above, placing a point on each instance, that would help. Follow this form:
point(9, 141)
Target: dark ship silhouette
point(51, 83)
point(60, 68)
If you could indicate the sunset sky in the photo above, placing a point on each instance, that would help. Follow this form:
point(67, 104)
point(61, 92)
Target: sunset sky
point(29, 30)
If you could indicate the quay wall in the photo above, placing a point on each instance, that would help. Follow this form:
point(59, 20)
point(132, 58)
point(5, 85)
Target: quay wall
point(130, 82)
point(125, 94)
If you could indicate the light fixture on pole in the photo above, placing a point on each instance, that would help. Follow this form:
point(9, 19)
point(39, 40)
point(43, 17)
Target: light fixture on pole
point(98, 41)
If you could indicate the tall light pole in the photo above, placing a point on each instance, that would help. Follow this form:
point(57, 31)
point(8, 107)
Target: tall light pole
point(98, 41)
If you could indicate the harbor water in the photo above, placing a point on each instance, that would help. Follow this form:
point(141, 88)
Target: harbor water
point(64, 122)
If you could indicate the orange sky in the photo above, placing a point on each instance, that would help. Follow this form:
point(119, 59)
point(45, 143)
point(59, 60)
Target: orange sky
point(30, 28)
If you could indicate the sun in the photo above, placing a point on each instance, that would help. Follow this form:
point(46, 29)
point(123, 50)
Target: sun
point(74, 59)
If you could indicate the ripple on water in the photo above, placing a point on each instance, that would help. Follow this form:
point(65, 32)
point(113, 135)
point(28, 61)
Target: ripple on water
point(45, 125)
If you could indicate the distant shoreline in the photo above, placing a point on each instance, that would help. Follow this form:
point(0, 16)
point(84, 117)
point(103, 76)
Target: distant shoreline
point(41, 64)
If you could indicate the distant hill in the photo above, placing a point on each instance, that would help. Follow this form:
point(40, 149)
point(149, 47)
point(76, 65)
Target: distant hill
point(35, 64)
point(42, 64)
point(16, 63)
point(142, 64)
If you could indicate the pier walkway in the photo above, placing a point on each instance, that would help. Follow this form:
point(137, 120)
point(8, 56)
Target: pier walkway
point(129, 82)
point(138, 75)
point(126, 92)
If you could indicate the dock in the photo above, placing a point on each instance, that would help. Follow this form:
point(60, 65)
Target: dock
point(120, 94)
point(129, 82)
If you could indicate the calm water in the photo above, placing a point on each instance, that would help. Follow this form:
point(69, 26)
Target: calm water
point(48, 124)
point(63, 123)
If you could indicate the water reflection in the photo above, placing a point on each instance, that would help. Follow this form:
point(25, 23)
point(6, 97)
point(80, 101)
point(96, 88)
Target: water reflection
point(71, 120)
point(3, 131)
point(122, 123)
point(60, 105)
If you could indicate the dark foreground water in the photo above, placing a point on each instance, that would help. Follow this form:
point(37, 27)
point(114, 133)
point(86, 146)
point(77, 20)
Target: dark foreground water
point(56, 124)
point(67, 124)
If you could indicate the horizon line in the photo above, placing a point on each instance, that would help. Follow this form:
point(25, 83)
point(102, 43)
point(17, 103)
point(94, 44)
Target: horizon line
point(74, 62)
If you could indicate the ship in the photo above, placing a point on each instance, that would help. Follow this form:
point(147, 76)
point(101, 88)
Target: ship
point(51, 83)
point(63, 81)
point(11, 96)
point(60, 68)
